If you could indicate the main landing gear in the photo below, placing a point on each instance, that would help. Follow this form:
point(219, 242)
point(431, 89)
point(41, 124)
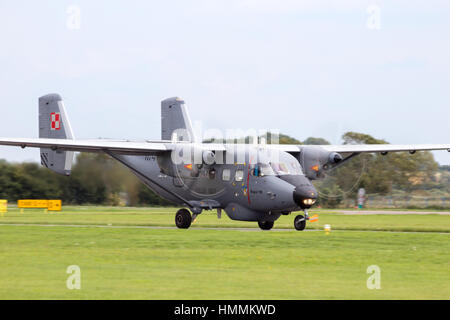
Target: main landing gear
point(265, 225)
point(300, 221)
point(183, 219)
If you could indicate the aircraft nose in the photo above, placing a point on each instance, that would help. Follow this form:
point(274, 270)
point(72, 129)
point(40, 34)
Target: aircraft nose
point(305, 195)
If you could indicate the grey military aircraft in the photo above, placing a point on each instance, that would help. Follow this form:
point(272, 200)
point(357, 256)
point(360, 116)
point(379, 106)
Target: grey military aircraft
point(250, 182)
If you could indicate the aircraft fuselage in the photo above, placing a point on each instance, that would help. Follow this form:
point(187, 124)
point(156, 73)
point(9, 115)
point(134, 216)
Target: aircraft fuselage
point(243, 192)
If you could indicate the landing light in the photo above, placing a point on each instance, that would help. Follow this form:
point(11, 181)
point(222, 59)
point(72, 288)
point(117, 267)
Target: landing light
point(309, 201)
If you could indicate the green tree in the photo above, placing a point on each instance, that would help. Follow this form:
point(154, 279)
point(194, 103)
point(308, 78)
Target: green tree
point(315, 141)
point(381, 174)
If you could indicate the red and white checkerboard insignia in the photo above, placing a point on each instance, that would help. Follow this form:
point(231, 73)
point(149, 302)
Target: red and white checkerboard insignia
point(55, 121)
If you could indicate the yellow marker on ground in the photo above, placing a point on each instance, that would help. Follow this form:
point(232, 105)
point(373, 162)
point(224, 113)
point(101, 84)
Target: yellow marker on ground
point(3, 207)
point(32, 203)
point(54, 205)
point(327, 229)
point(50, 205)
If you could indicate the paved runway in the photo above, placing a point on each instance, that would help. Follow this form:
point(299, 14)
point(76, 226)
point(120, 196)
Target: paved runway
point(141, 227)
point(368, 212)
point(201, 228)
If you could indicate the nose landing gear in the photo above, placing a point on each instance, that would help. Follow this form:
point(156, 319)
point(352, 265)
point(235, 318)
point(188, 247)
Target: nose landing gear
point(300, 221)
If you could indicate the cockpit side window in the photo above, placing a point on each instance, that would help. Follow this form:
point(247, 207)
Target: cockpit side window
point(261, 170)
point(255, 171)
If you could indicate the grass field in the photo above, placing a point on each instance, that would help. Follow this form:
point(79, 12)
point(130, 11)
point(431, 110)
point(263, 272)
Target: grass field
point(165, 217)
point(121, 261)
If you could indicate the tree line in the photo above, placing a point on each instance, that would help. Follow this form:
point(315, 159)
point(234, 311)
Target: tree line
point(379, 174)
point(96, 179)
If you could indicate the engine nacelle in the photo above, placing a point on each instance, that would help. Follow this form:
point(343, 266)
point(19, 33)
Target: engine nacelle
point(316, 160)
point(208, 157)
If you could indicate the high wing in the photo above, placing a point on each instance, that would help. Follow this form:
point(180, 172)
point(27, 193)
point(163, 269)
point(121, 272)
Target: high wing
point(368, 148)
point(158, 147)
point(385, 147)
point(315, 159)
point(116, 146)
point(107, 145)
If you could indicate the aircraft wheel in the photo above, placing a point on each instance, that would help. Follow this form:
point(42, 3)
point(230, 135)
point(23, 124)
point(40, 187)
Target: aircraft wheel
point(183, 219)
point(300, 223)
point(265, 225)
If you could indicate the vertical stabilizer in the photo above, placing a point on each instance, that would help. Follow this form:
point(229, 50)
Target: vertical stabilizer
point(175, 119)
point(54, 124)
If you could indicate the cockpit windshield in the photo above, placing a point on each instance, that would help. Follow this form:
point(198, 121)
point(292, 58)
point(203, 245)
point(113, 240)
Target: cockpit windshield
point(281, 163)
point(288, 167)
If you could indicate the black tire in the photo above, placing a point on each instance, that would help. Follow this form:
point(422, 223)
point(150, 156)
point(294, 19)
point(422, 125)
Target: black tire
point(183, 219)
point(299, 223)
point(265, 225)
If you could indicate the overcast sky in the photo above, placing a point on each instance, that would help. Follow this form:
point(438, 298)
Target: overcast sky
point(307, 68)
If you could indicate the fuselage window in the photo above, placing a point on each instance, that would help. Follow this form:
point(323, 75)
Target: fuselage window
point(226, 174)
point(239, 175)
